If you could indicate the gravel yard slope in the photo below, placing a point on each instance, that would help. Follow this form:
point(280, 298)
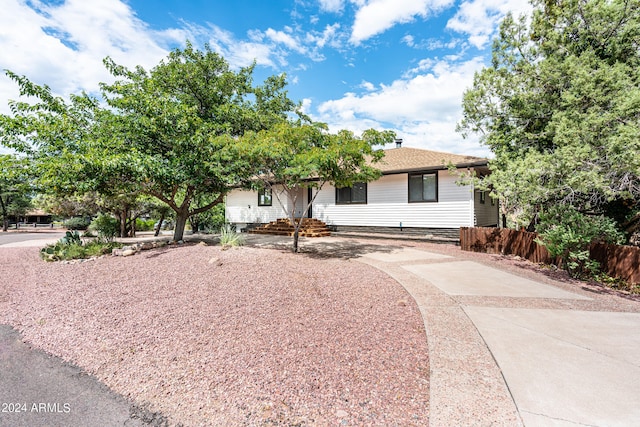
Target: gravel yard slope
point(245, 336)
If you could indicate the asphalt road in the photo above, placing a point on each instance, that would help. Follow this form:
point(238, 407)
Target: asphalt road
point(37, 390)
point(22, 238)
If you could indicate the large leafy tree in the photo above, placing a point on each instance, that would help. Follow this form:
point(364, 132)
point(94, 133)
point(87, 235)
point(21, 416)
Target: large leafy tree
point(559, 106)
point(170, 132)
point(180, 124)
point(15, 187)
point(294, 156)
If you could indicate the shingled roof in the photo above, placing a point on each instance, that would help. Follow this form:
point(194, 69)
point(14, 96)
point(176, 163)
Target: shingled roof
point(405, 159)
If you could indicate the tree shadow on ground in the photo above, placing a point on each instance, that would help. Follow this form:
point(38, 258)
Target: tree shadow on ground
point(323, 249)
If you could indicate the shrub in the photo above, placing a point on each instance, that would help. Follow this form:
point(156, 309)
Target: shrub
point(209, 221)
point(71, 238)
point(567, 233)
point(71, 247)
point(230, 237)
point(144, 224)
point(214, 219)
point(77, 223)
point(100, 247)
point(106, 226)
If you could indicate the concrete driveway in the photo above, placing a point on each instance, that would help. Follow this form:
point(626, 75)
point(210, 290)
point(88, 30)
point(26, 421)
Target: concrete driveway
point(509, 350)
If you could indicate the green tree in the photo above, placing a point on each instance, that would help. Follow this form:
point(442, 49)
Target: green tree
point(15, 187)
point(292, 156)
point(126, 208)
point(170, 133)
point(180, 124)
point(560, 108)
point(208, 221)
point(85, 205)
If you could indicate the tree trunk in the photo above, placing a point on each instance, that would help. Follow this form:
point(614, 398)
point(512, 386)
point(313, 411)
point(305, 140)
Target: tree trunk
point(181, 222)
point(295, 240)
point(159, 225)
point(533, 223)
point(123, 224)
point(195, 225)
point(5, 217)
point(133, 227)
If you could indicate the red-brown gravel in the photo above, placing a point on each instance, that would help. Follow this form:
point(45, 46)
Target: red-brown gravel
point(245, 336)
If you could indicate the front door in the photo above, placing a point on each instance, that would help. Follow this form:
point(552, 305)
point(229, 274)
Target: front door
point(309, 197)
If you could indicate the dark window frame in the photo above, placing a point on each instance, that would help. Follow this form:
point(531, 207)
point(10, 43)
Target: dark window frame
point(350, 201)
point(261, 196)
point(422, 174)
point(483, 197)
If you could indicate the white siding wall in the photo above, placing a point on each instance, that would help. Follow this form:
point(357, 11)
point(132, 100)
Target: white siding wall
point(387, 205)
point(486, 213)
point(242, 208)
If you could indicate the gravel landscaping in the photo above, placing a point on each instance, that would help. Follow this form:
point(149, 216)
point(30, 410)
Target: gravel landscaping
point(245, 336)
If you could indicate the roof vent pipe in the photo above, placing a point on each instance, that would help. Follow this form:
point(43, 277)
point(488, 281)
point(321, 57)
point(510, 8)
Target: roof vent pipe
point(398, 142)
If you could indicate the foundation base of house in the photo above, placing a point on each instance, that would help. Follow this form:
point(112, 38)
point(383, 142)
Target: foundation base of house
point(436, 235)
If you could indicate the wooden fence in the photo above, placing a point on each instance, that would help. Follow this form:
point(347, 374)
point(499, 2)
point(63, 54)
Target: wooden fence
point(616, 261)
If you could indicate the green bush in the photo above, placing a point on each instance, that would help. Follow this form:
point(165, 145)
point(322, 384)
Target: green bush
point(71, 247)
point(230, 237)
point(209, 221)
point(106, 226)
point(144, 224)
point(100, 247)
point(70, 238)
point(567, 233)
point(77, 223)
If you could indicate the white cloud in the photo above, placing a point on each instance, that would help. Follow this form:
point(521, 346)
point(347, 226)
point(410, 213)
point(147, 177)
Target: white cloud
point(284, 38)
point(331, 5)
point(238, 53)
point(479, 18)
point(368, 86)
point(431, 43)
point(376, 16)
point(306, 105)
point(423, 108)
point(64, 45)
point(409, 40)
point(328, 36)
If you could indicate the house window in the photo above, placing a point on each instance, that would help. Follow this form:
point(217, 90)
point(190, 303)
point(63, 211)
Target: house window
point(264, 197)
point(423, 187)
point(357, 194)
point(483, 197)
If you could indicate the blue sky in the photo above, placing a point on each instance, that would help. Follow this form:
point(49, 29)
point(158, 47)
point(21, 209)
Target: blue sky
point(354, 64)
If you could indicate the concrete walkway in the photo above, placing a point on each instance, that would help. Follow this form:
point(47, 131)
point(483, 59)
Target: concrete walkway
point(506, 350)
